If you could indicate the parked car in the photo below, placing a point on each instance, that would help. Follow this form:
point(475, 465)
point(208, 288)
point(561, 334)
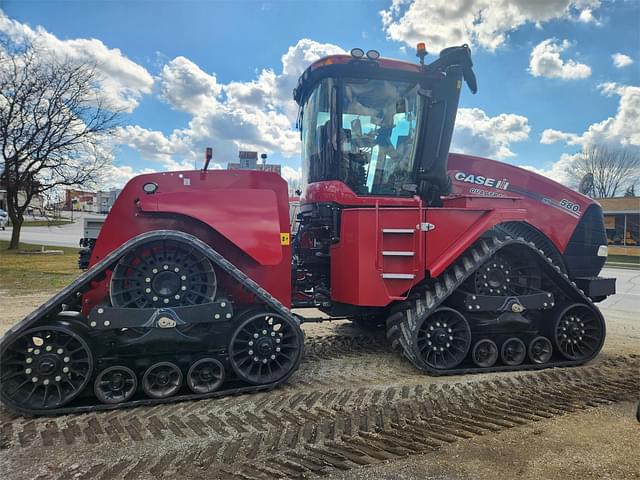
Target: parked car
point(4, 219)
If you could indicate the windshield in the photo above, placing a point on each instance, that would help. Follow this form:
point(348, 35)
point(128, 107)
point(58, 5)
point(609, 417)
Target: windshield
point(379, 131)
point(373, 150)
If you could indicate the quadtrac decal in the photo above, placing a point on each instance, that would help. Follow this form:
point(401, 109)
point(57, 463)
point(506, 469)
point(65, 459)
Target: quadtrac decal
point(482, 180)
point(565, 205)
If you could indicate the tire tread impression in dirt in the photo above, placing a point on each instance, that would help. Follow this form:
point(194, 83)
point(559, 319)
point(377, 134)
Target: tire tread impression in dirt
point(304, 442)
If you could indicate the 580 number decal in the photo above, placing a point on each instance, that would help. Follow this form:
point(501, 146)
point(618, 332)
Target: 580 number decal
point(573, 207)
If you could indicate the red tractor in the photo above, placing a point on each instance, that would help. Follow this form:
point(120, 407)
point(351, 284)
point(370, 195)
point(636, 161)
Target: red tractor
point(471, 265)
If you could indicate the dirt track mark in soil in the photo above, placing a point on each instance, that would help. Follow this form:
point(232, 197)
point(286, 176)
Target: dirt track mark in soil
point(316, 433)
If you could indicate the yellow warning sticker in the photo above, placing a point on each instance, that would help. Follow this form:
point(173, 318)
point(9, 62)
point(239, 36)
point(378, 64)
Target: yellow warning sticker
point(285, 238)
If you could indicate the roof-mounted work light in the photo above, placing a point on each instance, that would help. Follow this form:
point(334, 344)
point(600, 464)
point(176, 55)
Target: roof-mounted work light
point(373, 55)
point(357, 53)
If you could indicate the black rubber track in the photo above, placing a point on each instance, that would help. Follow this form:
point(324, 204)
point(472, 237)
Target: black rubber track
point(406, 317)
point(69, 294)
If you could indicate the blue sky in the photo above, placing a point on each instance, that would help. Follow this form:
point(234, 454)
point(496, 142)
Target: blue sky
point(197, 73)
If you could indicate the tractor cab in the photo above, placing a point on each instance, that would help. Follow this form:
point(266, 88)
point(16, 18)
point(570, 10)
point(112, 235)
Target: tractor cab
point(381, 127)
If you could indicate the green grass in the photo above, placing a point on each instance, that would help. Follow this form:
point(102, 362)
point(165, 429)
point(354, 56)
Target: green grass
point(625, 261)
point(22, 273)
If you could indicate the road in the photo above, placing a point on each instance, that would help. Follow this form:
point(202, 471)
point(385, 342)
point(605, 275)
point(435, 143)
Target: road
point(60, 236)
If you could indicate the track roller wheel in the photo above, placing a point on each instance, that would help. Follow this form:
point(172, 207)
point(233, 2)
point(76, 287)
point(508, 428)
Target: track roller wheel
point(162, 380)
point(44, 368)
point(205, 376)
point(540, 350)
point(265, 348)
point(485, 353)
point(443, 339)
point(115, 384)
point(513, 351)
point(579, 332)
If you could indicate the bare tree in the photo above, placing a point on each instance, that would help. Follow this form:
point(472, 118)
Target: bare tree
point(52, 126)
point(612, 169)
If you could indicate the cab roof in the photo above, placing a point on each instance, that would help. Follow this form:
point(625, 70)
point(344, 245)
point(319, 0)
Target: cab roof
point(335, 65)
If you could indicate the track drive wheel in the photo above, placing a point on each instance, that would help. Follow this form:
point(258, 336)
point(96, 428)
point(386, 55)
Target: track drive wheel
point(579, 332)
point(444, 338)
point(45, 368)
point(265, 348)
point(162, 274)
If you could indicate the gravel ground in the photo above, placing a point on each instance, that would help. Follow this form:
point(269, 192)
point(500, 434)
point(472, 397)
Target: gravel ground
point(597, 443)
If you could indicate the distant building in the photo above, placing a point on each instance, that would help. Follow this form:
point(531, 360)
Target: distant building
point(106, 199)
point(36, 204)
point(249, 161)
point(80, 200)
point(622, 223)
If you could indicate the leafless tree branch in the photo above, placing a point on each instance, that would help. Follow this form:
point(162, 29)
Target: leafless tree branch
point(612, 169)
point(53, 124)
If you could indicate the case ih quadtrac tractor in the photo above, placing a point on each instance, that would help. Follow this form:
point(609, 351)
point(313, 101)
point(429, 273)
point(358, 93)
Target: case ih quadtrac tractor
point(471, 265)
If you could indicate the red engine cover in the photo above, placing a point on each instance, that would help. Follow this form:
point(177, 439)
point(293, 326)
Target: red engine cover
point(240, 213)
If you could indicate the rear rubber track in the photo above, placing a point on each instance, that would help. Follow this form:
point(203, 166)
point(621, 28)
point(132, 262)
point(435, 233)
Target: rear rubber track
point(48, 311)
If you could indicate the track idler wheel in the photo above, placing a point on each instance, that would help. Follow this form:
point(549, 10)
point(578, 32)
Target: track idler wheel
point(205, 376)
point(443, 339)
point(579, 332)
point(265, 348)
point(44, 368)
point(513, 352)
point(115, 384)
point(540, 350)
point(162, 380)
point(507, 273)
point(485, 353)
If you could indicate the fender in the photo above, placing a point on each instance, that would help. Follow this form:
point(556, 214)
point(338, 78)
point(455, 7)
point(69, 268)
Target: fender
point(248, 218)
point(457, 228)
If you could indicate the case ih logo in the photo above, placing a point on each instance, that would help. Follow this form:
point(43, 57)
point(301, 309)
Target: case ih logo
point(482, 180)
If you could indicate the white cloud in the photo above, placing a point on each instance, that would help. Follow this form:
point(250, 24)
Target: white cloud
point(620, 60)
point(586, 16)
point(478, 134)
point(152, 145)
point(252, 115)
point(545, 61)
point(558, 170)
point(484, 23)
point(292, 174)
point(186, 87)
point(116, 176)
point(622, 129)
point(122, 81)
point(256, 114)
point(552, 136)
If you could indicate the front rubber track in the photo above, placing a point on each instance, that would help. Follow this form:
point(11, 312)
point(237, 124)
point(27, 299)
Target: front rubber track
point(407, 316)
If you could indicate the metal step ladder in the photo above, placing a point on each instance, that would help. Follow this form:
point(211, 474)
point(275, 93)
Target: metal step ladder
point(406, 256)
